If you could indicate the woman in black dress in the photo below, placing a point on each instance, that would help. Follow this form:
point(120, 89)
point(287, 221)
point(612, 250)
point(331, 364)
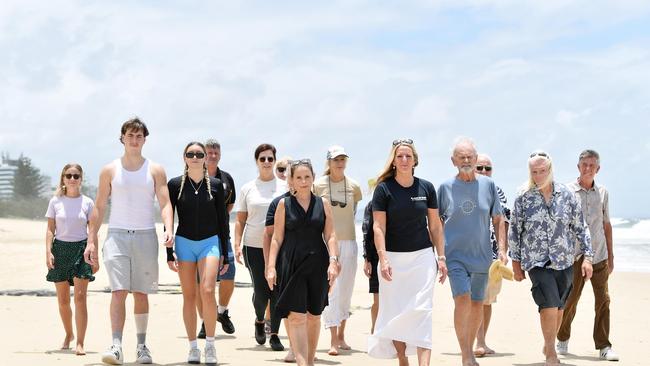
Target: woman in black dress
point(309, 264)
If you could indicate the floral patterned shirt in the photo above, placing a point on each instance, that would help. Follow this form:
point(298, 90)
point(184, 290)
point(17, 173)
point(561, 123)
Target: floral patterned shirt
point(543, 235)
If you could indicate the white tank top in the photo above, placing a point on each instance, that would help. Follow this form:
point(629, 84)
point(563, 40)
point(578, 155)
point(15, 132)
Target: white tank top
point(132, 198)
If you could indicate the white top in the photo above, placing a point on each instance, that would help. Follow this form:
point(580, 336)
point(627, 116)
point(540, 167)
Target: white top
point(71, 217)
point(255, 198)
point(132, 198)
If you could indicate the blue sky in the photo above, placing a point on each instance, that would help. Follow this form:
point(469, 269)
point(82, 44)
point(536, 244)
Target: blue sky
point(513, 75)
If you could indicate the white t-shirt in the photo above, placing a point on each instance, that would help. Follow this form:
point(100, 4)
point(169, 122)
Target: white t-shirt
point(71, 216)
point(254, 198)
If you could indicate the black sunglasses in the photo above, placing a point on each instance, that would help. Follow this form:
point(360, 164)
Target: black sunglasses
point(264, 159)
point(281, 169)
point(192, 155)
point(481, 167)
point(72, 176)
point(542, 154)
point(402, 141)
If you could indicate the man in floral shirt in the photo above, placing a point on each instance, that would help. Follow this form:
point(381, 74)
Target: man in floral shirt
point(546, 222)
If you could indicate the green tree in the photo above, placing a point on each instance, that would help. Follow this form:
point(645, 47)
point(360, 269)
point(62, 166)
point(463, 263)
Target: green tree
point(28, 181)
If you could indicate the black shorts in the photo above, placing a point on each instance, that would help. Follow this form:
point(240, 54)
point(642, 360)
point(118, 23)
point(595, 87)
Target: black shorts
point(373, 281)
point(551, 287)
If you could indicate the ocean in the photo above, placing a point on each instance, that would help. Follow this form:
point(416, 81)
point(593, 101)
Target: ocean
point(631, 244)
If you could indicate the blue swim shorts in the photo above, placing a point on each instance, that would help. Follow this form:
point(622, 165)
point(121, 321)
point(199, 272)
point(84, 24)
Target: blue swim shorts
point(462, 281)
point(192, 250)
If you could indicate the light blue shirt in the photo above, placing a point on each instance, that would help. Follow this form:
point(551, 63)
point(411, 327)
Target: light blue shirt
point(466, 209)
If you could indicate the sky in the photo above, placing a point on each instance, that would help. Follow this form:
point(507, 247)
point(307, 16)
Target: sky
point(515, 76)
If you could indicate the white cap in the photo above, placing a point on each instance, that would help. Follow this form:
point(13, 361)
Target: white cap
point(336, 151)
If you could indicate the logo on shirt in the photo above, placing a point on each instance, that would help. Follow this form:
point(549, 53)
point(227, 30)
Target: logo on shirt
point(421, 198)
point(467, 207)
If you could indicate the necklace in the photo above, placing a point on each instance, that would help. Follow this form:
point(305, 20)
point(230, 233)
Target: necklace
point(196, 189)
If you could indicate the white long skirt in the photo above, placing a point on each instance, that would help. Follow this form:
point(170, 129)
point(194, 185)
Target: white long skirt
point(405, 304)
point(340, 297)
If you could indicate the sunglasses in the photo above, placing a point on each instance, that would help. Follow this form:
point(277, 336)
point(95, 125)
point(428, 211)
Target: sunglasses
point(264, 159)
point(301, 162)
point(542, 154)
point(192, 155)
point(72, 176)
point(402, 141)
point(281, 169)
point(481, 167)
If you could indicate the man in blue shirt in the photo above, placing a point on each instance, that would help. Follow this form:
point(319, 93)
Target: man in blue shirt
point(468, 203)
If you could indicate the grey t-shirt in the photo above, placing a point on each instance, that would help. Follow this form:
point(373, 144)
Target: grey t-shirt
point(466, 209)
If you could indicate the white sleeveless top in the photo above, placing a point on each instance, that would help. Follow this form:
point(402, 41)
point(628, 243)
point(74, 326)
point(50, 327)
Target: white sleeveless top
point(132, 198)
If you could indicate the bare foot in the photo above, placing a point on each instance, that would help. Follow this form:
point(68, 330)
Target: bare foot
point(290, 357)
point(489, 351)
point(67, 340)
point(480, 351)
point(552, 362)
point(344, 346)
point(334, 351)
point(79, 351)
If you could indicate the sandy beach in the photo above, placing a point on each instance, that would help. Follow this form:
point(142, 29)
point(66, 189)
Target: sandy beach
point(33, 332)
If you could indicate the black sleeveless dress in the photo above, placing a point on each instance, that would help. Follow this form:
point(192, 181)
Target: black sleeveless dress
point(303, 259)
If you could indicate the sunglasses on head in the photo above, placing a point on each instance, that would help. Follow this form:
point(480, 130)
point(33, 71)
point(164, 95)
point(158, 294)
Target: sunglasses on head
point(192, 155)
point(301, 162)
point(402, 141)
point(264, 159)
point(481, 167)
point(281, 169)
point(72, 176)
point(542, 154)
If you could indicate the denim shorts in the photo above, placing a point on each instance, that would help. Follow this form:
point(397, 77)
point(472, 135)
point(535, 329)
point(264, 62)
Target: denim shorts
point(462, 281)
point(230, 273)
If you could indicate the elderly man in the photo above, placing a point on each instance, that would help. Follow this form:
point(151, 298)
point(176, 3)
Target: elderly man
point(484, 167)
point(546, 220)
point(595, 208)
point(468, 203)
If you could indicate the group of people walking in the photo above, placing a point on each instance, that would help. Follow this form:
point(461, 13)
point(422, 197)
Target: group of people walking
point(295, 233)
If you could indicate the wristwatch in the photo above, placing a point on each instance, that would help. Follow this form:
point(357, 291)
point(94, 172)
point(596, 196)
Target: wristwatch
point(442, 258)
point(334, 258)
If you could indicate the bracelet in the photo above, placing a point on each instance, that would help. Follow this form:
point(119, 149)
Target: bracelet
point(442, 258)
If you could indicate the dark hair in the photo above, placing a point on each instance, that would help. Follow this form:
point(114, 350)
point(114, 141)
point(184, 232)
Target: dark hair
point(264, 147)
point(294, 164)
point(134, 124)
point(589, 154)
point(212, 144)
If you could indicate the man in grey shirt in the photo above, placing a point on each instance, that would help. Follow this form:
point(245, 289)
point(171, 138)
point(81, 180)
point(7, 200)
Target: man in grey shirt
point(594, 200)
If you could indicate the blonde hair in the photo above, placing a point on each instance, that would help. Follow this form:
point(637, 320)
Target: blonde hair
point(388, 171)
point(61, 188)
point(327, 166)
point(539, 155)
point(205, 170)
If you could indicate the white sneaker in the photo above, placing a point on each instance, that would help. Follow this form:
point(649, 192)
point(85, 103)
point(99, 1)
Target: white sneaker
point(194, 357)
point(143, 354)
point(210, 355)
point(608, 354)
point(113, 356)
point(562, 347)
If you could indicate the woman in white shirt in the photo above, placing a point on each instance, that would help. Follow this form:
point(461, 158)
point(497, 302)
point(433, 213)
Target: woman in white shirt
point(252, 204)
point(65, 241)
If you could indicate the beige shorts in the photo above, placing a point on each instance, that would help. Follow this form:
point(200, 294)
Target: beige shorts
point(131, 260)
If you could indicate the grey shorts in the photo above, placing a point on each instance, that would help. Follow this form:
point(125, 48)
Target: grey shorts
point(131, 260)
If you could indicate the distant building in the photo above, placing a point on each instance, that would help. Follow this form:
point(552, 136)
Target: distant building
point(7, 173)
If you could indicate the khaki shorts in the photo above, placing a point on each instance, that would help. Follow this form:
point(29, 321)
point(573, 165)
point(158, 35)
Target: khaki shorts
point(131, 260)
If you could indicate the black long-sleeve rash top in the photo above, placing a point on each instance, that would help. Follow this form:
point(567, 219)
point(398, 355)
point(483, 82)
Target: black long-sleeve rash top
point(200, 217)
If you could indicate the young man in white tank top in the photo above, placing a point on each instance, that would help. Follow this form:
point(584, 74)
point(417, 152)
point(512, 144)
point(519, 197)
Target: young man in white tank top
point(130, 251)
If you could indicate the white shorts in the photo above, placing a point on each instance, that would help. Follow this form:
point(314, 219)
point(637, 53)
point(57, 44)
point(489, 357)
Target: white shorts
point(340, 297)
point(131, 260)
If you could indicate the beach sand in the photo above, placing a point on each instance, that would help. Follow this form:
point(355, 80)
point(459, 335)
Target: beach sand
point(32, 331)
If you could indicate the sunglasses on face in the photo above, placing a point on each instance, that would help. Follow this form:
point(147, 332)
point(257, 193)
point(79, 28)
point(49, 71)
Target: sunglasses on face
point(192, 155)
point(402, 141)
point(72, 176)
point(281, 169)
point(481, 167)
point(264, 159)
point(542, 154)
